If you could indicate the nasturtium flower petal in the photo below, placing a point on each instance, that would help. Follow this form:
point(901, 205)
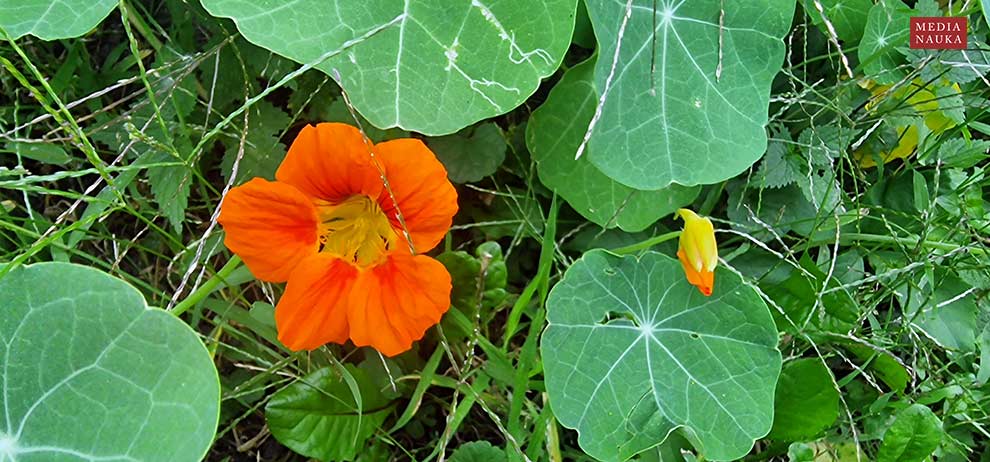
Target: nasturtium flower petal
point(271, 226)
point(697, 250)
point(331, 162)
point(392, 305)
point(419, 183)
point(313, 309)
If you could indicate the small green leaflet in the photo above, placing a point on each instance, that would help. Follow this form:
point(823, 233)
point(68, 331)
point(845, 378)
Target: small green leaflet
point(633, 351)
point(683, 93)
point(90, 372)
point(424, 65)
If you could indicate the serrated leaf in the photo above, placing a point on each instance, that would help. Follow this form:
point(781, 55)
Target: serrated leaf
point(52, 19)
point(962, 153)
point(780, 167)
point(807, 401)
point(471, 154)
point(912, 437)
point(683, 112)
point(431, 67)
point(825, 143)
point(887, 27)
point(553, 135)
point(92, 373)
point(319, 417)
point(956, 66)
point(263, 152)
point(170, 184)
point(633, 351)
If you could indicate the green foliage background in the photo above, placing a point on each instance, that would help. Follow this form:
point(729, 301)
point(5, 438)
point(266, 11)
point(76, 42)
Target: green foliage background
point(845, 174)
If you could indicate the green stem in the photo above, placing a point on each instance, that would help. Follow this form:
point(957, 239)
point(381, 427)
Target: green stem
point(647, 243)
point(208, 287)
point(906, 241)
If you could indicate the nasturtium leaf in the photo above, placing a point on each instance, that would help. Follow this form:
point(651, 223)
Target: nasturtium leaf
point(633, 351)
point(319, 417)
point(52, 19)
point(553, 135)
point(424, 65)
point(807, 401)
point(912, 437)
point(472, 153)
point(90, 372)
point(693, 108)
point(848, 17)
point(887, 28)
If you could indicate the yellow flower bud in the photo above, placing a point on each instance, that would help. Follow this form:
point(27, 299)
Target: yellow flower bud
point(698, 251)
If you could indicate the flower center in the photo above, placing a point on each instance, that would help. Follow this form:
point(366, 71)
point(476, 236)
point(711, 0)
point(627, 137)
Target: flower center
point(356, 230)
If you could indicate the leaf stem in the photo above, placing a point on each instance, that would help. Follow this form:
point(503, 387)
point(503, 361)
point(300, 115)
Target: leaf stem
point(647, 243)
point(208, 287)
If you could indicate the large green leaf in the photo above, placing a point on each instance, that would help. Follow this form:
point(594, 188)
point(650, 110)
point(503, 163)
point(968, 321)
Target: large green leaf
point(320, 416)
point(669, 115)
point(52, 19)
point(426, 65)
point(807, 401)
point(847, 17)
point(633, 351)
point(887, 28)
point(554, 133)
point(90, 372)
point(912, 437)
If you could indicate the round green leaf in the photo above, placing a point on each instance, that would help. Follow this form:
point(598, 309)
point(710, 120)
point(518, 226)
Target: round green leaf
point(52, 19)
point(687, 102)
point(327, 416)
point(472, 153)
point(553, 135)
point(887, 28)
point(90, 372)
point(424, 65)
point(807, 401)
point(913, 436)
point(478, 451)
point(633, 351)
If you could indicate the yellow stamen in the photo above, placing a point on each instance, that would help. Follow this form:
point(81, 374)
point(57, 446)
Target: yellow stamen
point(356, 230)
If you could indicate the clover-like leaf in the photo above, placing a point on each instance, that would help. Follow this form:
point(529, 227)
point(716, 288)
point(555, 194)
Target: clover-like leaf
point(685, 90)
point(433, 67)
point(633, 351)
point(554, 133)
point(90, 372)
point(52, 19)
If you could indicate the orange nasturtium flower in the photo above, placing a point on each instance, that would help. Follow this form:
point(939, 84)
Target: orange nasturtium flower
point(697, 251)
point(330, 227)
